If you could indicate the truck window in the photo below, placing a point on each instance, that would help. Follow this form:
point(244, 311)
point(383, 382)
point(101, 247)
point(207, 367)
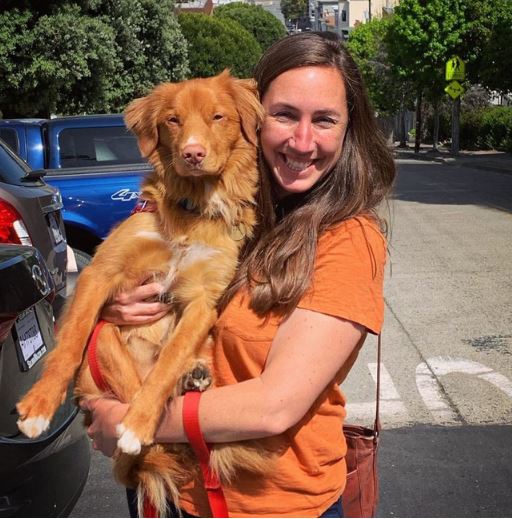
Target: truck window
point(106, 146)
point(10, 137)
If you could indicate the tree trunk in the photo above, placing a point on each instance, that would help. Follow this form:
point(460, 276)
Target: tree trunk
point(435, 134)
point(417, 140)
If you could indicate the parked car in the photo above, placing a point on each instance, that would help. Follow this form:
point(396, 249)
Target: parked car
point(93, 160)
point(43, 477)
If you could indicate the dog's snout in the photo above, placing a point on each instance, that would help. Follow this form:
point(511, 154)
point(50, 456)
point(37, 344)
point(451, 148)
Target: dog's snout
point(193, 154)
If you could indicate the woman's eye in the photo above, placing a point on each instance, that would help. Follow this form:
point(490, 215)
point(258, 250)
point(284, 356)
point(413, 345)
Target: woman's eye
point(325, 122)
point(218, 117)
point(283, 116)
point(173, 120)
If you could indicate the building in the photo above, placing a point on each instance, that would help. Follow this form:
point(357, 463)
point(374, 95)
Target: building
point(195, 6)
point(342, 16)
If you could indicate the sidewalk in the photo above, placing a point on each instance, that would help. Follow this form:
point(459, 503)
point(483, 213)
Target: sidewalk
point(490, 160)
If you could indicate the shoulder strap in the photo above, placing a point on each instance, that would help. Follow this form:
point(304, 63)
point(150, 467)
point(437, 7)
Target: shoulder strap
point(376, 425)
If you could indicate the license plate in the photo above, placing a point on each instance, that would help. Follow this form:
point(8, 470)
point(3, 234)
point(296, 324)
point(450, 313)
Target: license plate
point(54, 226)
point(31, 346)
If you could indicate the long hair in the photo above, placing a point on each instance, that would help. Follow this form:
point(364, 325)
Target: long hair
point(277, 264)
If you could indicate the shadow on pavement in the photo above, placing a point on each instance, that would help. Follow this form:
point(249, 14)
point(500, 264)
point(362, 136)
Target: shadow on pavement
point(435, 183)
point(434, 471)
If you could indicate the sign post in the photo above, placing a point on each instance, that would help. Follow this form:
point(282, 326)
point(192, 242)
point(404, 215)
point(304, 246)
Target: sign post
point(455, 71)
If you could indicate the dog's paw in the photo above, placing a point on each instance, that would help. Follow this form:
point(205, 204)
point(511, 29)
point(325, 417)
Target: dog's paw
point(199, 379)
point(128, 441)
point(33, 427)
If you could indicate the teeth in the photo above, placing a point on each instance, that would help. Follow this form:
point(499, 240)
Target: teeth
point(296, 165)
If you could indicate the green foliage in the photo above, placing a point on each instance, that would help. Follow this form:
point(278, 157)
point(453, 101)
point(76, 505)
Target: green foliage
point(494, 70)
point(487, 128)
point(367, 45)
point(264, 26)
point(424, 35)
point(294, 9)
point(218, 43)
point(58, 63)
point(85, 56)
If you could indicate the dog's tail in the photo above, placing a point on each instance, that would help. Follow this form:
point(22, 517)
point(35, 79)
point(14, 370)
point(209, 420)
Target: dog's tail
point(229, 458)
point(157, 474)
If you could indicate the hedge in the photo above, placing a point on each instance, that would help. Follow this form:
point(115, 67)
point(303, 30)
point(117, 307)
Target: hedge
point(487, 128)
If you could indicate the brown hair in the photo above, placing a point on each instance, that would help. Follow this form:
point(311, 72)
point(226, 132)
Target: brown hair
point(278, 263)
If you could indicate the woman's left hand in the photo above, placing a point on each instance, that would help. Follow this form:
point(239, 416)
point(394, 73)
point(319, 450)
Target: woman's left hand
point(106, 414)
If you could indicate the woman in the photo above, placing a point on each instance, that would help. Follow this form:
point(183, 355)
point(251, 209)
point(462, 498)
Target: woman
point(307, 291)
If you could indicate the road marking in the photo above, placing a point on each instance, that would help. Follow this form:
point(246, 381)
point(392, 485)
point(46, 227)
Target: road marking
point(430, 389)
point(392, 407)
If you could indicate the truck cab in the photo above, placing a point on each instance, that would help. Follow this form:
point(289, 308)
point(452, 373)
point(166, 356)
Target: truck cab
point(94, 161)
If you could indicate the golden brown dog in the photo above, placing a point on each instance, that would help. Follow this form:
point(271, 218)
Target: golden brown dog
point(200, 136)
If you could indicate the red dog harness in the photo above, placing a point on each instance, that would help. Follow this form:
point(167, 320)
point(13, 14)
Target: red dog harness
point(212, 483)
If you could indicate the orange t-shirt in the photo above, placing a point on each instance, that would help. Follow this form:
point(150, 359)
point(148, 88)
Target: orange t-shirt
point(311, 473)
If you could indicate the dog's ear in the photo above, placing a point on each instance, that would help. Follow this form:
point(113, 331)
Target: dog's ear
point(140, 118)
point(249, 107)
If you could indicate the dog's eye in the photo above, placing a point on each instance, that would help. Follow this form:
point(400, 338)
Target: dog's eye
point(173, 120)
point(218, 117)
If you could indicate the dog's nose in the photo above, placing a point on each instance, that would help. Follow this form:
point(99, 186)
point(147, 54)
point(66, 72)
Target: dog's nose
point(193, 154)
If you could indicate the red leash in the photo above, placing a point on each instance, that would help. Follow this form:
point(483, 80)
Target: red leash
point(192, 428)
point(148, 509)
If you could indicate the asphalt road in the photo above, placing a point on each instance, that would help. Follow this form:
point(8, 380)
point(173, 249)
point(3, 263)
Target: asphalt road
point(446, 449)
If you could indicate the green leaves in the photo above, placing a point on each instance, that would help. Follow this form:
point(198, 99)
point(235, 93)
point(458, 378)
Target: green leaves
point(88, 56)
point(264, 26)
point(217, 43)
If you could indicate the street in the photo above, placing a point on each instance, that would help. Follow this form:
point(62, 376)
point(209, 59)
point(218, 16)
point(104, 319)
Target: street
point(446, 395)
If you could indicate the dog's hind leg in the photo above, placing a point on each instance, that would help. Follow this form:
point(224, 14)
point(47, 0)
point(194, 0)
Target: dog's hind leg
point(140, 423)
point(38, 406)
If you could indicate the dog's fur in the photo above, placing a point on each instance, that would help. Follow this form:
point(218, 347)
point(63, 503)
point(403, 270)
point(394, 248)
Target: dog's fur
point(200, 136)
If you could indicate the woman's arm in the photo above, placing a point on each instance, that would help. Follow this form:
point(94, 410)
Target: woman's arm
point(307, 352)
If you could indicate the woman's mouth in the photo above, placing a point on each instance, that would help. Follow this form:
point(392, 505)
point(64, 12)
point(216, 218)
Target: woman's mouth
point(296, 165)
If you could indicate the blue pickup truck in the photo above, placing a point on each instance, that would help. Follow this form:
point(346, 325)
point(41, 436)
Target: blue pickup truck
point(92, 159)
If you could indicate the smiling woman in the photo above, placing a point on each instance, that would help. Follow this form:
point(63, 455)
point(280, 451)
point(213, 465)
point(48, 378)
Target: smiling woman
point(302, 137)
point(307, 291)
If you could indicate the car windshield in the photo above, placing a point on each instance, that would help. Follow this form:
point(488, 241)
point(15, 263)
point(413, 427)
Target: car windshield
point(12, 168)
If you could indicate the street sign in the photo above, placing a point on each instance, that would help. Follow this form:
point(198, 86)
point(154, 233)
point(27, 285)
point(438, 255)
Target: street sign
point(455, 69)
point(454, 89)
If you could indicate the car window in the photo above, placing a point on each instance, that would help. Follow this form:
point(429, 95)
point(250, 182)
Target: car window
point(10, 137)
point(81, 147)
point(12, 169)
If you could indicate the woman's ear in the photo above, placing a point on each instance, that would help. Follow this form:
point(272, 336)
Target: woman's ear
point(249, 108)
point(140, 118)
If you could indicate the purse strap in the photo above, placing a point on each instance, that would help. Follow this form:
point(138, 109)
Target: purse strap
point(376, 425)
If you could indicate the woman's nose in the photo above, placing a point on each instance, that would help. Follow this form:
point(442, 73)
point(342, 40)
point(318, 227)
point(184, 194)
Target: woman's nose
point(302, 139)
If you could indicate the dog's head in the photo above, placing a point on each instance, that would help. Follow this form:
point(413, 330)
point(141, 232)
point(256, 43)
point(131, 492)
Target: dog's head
point(195, 125)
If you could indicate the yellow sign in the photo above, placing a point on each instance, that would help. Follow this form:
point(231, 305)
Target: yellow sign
point(454, 89)
point(455, 69)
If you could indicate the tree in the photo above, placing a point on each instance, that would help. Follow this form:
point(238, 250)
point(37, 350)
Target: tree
point(87, 56)
point(424, 35)
point(54, 63)
point(294, 9)
point(218, 43)
point(264, 26)
point(494, 69)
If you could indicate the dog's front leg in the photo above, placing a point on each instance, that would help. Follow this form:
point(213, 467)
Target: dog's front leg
point(38, 406)
point(140, 423)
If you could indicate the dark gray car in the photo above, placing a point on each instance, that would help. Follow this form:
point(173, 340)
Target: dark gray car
point(42, 477)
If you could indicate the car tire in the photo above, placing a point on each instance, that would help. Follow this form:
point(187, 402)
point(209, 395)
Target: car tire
point(82, 259)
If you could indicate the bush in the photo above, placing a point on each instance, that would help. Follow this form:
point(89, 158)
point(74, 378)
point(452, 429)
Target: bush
point(487, 128)
point(217, 43)
point(264, 26)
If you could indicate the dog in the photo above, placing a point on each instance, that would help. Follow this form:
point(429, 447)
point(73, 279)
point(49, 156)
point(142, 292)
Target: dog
point(200, 136)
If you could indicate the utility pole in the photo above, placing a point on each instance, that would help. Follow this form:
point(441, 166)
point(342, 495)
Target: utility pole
point(369, 10)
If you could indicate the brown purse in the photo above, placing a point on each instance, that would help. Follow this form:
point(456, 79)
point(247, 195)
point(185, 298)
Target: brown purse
point(361, 492)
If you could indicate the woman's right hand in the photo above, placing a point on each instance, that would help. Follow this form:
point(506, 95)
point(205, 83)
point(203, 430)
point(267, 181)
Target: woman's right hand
point(136, 306)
